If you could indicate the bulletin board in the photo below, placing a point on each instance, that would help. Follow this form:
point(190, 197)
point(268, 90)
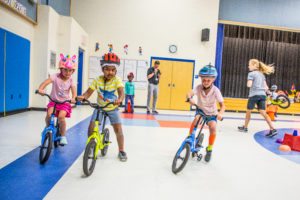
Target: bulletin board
point(137, 67)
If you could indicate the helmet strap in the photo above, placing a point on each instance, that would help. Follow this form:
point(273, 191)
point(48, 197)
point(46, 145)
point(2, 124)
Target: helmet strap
point(206, 88)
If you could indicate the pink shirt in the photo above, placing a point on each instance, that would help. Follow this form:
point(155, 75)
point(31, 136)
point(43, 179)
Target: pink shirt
point(61, 89)
point(207, 103)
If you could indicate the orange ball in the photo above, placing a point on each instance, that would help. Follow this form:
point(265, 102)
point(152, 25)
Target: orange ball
point(284, 148)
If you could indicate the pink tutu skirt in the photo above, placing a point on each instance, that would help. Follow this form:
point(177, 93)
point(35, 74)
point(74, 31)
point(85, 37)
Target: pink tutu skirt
point(66, 107)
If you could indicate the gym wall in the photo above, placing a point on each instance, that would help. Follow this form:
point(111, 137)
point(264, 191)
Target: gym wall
point(153, 25)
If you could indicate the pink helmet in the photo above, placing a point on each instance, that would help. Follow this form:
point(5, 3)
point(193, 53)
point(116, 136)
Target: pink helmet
point(67, 62)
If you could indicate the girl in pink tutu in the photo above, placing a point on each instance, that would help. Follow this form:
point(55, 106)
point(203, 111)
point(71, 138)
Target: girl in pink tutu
point(62, 84)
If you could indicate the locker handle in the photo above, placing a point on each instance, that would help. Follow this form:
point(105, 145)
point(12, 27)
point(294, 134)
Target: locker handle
point(173, 85)
point(169, 85)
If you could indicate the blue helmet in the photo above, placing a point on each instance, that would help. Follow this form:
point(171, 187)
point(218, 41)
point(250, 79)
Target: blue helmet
point(208, 71)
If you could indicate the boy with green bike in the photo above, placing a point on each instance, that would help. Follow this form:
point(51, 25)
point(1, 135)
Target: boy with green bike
point(109, 88)
point(207, 95)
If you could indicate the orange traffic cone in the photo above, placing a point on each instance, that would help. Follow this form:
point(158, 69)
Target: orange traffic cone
point(272, 109)
point(129, 107)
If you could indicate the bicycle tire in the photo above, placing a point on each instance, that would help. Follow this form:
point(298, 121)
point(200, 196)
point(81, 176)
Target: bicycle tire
point(89, 153)
point(187, 148)
point(199, 142)
point(283, 99)
point(105, 141)
point(47, 145)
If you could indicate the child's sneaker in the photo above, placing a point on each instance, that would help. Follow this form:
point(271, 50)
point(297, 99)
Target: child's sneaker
point(208, 155)
point(272, 133)
point(125, 111)
point(63, 140)
point(242, 129)
point(122, 156)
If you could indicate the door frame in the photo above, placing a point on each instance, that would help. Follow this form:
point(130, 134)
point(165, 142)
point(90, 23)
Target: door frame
point(176, 59)
point(80, 70)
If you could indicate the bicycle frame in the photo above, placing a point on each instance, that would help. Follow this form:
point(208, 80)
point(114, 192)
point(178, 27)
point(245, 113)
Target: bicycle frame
point(96, 135)
point(52, 127)
point(274, 102)
point(191, 138)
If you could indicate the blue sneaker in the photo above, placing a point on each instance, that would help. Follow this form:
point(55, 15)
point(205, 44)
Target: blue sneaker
point(63, 140)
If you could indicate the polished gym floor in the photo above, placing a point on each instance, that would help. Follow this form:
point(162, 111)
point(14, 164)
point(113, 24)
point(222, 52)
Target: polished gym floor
point(243, 166)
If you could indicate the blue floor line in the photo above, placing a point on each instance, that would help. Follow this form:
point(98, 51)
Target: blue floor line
point(26, 178)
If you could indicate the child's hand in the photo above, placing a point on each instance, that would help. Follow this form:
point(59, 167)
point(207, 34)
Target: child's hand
point(117, 102)
point(41, 92)
point(192, 101)
point(219, 117)
point(80, 98)
point(73, 100)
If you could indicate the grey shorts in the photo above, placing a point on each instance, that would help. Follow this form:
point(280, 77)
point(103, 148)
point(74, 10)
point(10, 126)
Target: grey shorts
point(259, 100)
point(113, 115)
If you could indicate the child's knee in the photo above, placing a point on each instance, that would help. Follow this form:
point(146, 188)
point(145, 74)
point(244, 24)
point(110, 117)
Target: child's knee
point(212, 125)
point(61, 119)
point(91, 127)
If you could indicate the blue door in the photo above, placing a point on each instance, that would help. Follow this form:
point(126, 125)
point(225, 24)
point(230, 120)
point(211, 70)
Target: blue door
point(17, 64)
point(80, 66)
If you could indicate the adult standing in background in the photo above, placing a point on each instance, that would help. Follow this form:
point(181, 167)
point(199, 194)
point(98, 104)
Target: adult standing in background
point(153, 75)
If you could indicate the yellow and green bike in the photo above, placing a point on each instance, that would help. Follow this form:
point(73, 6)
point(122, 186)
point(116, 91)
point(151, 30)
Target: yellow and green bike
point(96, 141)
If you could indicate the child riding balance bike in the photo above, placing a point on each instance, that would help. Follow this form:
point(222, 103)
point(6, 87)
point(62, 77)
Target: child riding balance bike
point(110, 89)
point(206, 108)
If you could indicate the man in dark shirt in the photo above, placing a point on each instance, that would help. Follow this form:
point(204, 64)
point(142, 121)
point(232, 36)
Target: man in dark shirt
point(153, 75)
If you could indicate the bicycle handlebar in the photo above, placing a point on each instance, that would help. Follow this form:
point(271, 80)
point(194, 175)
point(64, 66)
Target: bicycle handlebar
point(95, 105)
point(203, 114)
point(57, 102)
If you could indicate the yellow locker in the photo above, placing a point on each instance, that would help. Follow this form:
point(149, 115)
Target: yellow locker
point(182, 80)
point(164, 94)
point(175, 82)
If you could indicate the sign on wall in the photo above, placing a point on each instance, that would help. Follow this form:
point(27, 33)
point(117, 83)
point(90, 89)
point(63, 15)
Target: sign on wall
point(137, 67)
point(16, 5)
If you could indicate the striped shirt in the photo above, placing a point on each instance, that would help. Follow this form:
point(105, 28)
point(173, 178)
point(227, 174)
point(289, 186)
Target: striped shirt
point(107, 91)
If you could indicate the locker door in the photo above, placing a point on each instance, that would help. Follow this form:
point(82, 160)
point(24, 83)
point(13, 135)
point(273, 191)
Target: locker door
point(17, 72)
point(164, 94)
point(182, 80)
point(2, 58)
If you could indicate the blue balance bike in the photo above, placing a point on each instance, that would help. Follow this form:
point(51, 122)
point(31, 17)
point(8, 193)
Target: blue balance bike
point(51, 134)
point(191, 144)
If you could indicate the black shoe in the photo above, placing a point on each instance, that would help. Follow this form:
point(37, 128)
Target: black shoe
point(272, 133)
point(208, 155)
point(155, 112)
point(148, 112)
point(242, 129)
point(122, 156)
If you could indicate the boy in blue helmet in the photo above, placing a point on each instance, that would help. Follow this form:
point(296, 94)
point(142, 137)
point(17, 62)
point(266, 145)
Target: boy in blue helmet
point(207, 95)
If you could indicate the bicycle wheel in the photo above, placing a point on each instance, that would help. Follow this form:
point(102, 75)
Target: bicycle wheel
point(199, 140)
point(56, 143)
point(105, 141)
point(89, 160)
point(45, 149)
point(179, 162)
point(283, 101)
